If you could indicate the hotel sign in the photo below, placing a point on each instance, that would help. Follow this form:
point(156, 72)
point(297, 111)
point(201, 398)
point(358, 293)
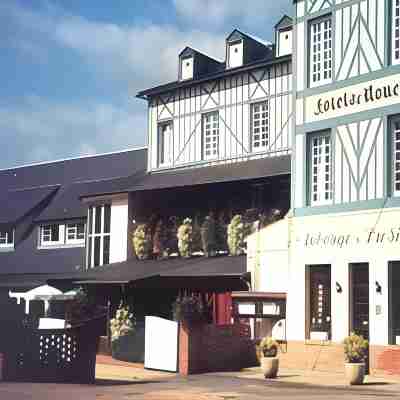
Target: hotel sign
point(352, 99)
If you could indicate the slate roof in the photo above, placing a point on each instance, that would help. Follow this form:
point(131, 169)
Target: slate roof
point(243, 170)
point(15, 204)
point(134, 270)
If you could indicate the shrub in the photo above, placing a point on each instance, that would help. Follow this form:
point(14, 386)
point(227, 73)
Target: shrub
point(123, 323)
point(236, 234)
point(188, 309)
point(268, 347)
point(185, 238)
point(208, 236)
point(142, 242)
point(355, 348)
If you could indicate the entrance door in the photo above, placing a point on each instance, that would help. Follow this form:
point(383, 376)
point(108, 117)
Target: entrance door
point(359, 299)
point(394, 303)
point(320, 302)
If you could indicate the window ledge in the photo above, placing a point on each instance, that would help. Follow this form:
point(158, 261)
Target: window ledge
point(7, 249)
point(60, 246)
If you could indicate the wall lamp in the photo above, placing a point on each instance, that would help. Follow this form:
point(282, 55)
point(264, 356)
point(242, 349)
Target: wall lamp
point(378, 287)
point(338, 288)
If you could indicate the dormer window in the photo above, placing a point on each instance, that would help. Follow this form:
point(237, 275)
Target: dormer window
point(235, 54)
point(187, 68)
point(284, 43)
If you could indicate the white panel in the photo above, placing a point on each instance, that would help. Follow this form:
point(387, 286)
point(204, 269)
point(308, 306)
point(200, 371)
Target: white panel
point(235, 54)
point(187, 68)
point(300, 60)
point(285, 43)
point(299, 162)
point(247, 308)
point(119, 230)
point(161, 344)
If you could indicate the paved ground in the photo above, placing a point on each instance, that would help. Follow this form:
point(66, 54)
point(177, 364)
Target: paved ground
point(120, 381)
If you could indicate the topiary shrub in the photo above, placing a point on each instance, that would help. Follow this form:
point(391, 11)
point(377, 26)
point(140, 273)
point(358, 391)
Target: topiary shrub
point(355, 348)
point(159, 241)
point(268, 347)
point(185, 238)
point(141, 240)
point(236, 235)
point(208, 236)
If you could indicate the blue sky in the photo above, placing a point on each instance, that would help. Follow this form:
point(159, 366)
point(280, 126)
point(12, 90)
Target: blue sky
point(70, 68)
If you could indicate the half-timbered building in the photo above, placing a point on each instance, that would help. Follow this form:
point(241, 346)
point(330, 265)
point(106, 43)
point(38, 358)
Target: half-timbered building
point(340, 245)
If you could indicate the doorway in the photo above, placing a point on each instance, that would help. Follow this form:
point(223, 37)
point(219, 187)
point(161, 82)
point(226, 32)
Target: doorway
point(394, 302)
point(359, 299)
point(319, 302)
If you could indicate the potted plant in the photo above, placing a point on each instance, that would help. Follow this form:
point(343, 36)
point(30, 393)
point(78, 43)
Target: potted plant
point(269, 360)
point(188, 309)
point(142, 242)
point(355, 350)
point(185, 238)
point(127, 341)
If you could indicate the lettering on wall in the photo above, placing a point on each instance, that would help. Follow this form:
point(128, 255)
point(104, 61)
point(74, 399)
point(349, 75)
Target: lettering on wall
point(356, 98)
point(371, 238)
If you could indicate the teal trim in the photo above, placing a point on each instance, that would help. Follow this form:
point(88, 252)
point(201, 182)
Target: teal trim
point(348, 119)
point(365, 78)
point(338, 208)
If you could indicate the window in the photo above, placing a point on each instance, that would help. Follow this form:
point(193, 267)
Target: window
point(98, 248)
point(51, 235)
point(395, 31)
point(7, 239)
point(320, 52)
point(165, 140)
point(75, 233)
point(321, 169)
point(62, 235)
point(210, 135)
point(396, 156)
point(259, 126)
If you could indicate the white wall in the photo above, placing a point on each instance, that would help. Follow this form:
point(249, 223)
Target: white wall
point(119, 230)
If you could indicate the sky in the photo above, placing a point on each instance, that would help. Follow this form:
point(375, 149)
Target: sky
point(70, 69)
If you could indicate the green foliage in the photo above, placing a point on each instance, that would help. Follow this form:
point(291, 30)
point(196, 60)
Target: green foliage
point(236, 235)
point(142, 242)
point(208, 236)
point(188, 309)
point(185, 238)
point(196, 240)
point(268, 347)
point(123, 323)
point(159, 240)
point(355, 348)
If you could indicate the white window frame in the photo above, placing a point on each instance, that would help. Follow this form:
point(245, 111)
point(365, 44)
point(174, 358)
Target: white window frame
point(72, 229)
point(395, 135)
point(165, 148)
point(91, 235)
point(320, 64)
point(50, 243)
point(395, 32)
point(260, 122)
point(4, 236)
point(321, 169)
point(210, 135)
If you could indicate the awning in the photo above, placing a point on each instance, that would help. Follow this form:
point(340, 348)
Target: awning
point(133, 271)
point(15, 204)
point(244, 170)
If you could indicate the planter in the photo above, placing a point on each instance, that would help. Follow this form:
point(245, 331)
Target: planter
point(129, 348)
point(270, 366)
point(355, 373)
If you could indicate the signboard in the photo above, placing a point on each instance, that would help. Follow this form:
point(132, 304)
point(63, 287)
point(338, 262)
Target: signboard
point(352, 99)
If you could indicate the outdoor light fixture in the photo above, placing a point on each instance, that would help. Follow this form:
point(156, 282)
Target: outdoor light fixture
point(378, 287)
point(338, 288)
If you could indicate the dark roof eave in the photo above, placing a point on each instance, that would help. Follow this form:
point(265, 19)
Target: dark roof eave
point(144, 94)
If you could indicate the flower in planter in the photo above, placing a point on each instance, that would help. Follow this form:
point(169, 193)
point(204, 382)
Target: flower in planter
point(123, 323)
point(236, 235)
point(188, 309)
point(142, 242)
point(268, 347)
point(185, 238)
point(355, 348)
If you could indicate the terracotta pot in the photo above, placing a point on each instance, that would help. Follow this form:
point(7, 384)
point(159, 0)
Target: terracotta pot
point(270, 366)
point(355, 373)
